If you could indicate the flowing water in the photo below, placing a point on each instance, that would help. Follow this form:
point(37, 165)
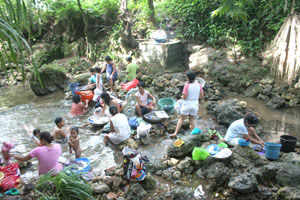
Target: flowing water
point(19, 106)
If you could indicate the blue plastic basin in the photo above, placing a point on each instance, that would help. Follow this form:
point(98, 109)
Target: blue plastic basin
point(243, 143)
point(85, 168)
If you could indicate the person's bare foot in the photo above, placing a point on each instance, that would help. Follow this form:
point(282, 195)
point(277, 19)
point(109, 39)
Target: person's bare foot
point(174, 135)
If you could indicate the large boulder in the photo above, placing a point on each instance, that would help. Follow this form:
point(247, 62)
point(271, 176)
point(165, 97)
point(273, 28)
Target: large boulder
point(136, 191)
point(285, 174)
point(82, 79)
point(288, 193)
point(53, 78)
point(229, 115)
point(244, 183)
point(253, 90)
point(249, 155)
point(276, 102)
point(291, 157)
point(182, 193)
point(190, 141)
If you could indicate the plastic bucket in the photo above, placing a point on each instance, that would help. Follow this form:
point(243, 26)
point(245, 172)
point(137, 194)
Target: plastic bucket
point(288, 143)
point(74, 87)
point(167, 104)
point(272, 150)
point(85, 95)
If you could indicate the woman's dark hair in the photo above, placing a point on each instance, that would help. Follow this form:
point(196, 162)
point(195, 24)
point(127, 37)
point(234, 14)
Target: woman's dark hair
point(74, 128)
point(191, 76)
point(45, 135)
point(58, 120)
point(141, 84)
point(92, 70)
point(36, 131)
point(105, 96)
point(250, 118)
point(97, 70)
point(113, 110)
point(108, 58)
point(129, 58)
point(76, 98)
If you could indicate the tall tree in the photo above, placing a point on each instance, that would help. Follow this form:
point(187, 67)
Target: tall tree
point(152, 13)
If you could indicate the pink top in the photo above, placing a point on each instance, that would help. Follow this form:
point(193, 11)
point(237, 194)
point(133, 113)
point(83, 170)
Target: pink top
point(77, 109)
point(48, 158)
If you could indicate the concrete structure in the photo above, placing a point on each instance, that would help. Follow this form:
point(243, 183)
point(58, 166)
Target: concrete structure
point(166, 56)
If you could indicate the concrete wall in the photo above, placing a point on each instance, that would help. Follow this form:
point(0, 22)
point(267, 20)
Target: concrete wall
point(166, 56)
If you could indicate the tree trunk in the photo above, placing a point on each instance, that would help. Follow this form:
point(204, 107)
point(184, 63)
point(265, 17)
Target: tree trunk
point(127, 39)
point(152, 14)
point(85, 21)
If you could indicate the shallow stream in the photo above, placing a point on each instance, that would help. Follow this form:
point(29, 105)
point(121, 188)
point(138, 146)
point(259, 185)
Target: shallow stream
point(19, 106)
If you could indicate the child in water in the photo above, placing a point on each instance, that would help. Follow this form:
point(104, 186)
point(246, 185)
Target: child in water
point(78, 108)
point(36, 136)
point(74, 142)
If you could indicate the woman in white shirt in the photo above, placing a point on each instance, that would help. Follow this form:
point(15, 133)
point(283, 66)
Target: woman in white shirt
point(119, 126)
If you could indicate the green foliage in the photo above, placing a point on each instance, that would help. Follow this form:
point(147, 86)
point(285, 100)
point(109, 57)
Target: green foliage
point(248, 24)
point(63, 187)
point(53, 66)
point(48, 53)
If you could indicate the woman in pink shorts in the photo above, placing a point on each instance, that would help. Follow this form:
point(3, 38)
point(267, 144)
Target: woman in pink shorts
point(191, 94)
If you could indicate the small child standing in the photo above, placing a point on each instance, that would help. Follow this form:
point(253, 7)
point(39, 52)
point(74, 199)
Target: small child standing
point(78, 108)
point(6, 147)
point(74, 142)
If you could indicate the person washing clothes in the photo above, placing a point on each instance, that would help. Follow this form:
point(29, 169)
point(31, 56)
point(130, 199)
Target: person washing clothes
point(47, 155)
point(92, 80)
point(243, 129)
point(78, 108)
point(143, 106)
point(99, 85)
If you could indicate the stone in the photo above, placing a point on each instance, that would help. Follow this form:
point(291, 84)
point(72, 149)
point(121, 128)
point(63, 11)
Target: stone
point(288, 193)
point(242, 104)
point(100, 188)
point(250, 155)
point(110, 171)
point(216, 172)
point(136, 191)
point(174, 161)
point(82, 79)
point(182, 193)
point(111, 196)
point(190, 141)
point(167, 174)
point(131, 143)
point(177, 175)
point(149, 183)
point(155, 166)
point(245, 183)
point(253, 90)
point(200, 58)
point(119, 172)
point(53, 78)
point(185, 163)
point(229, 115)
point(116, 183)
point(291, 157)
point(276, 102)
point(285, 174)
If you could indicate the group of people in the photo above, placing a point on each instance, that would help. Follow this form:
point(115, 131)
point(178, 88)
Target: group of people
point(48, 153)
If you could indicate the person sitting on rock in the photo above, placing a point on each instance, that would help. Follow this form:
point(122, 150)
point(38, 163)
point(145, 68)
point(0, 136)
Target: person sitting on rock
point(243, 129)
point(111, 72)
point(132, 69)
point(143, 105)
point(92, 79)
point(119, 126)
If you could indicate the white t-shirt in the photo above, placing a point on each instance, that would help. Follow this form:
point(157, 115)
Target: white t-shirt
point(144, 97)
point(121, 125)
point(236, 130)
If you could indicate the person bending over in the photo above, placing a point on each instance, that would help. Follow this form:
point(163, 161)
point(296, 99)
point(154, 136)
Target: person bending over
point(243, 129)
point(92, 79)
point(131, 69)
point(108, 101)
point(78, 108)
point(47, 155)
point(119, 126)
point(143, 105)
